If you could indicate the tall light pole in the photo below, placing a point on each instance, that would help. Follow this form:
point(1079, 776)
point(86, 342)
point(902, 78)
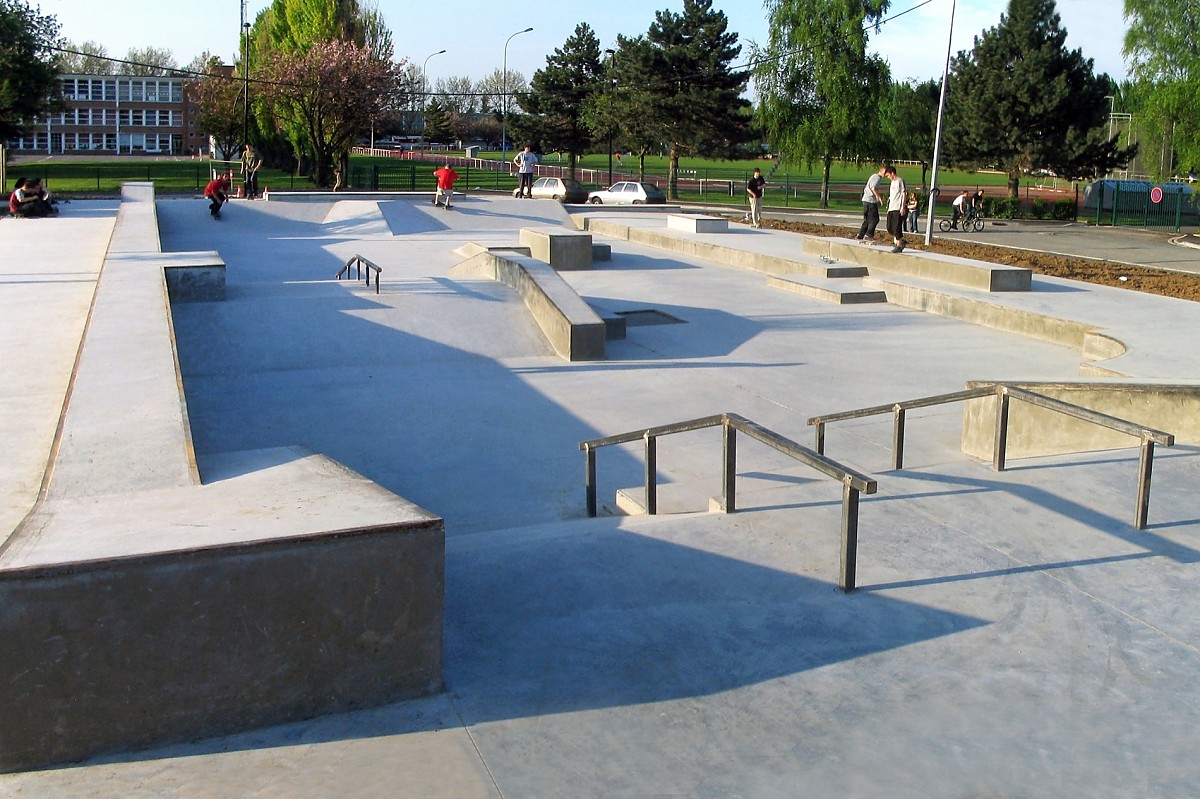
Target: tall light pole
point(425, 86)
point(611, 84)
point(245, 77)
point(937, 136)
point(504, 98)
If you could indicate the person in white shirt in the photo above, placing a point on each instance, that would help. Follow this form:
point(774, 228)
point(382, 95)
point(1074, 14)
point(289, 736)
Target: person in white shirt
point(960, 208)
point(870, 201)
point(525, 161)
point(897, 208)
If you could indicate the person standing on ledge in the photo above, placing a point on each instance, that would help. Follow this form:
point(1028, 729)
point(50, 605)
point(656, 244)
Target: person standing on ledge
point(525, 161)
point(897, 208)
point(754, 189)
point(870, 200)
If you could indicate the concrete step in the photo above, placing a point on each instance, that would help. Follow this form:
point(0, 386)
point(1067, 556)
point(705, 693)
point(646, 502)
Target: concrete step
point(964, 272)
point(837, 291)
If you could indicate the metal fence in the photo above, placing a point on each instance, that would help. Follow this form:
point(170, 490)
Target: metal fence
point(1142, 205)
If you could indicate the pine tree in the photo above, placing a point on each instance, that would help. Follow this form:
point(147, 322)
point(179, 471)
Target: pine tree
point(558, 95)
point(437, 123)
point(1021, 101)
point(692, 90)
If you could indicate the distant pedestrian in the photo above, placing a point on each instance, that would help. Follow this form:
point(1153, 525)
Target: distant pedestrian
point(754, 190)
point(525, 161)
point(870, 200)
point(897, 208)
point(251, 163)
point(445, 185)
point(914, 208)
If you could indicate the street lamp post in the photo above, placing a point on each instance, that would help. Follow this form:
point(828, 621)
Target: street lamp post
point(937, 136)
point(245, 31)
point(611, 83)
point(504, 98)
point(425, 85)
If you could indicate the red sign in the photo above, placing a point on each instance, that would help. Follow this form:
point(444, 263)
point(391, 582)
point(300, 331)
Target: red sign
point(1156, 194)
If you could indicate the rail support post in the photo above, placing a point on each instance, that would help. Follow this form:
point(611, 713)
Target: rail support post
point(1145, 468)
point(850, 496)
point(589, 478)
point(651, 475)
point(1001, 445)
point(729, 468)
point(820, 437)
point(898, 439)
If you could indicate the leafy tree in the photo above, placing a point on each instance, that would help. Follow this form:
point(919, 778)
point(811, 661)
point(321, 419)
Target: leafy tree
point(694, 94)
point(1163, 48)
point(147, 62)
point(89, 58)
point(28, 75)
point(1022, 101)
point(819, 90)
point(328, 94)
point(491, 89)
point(910, 121)
point(295, 25)
point(558, 94)
point(623, 115)
point(457, 94)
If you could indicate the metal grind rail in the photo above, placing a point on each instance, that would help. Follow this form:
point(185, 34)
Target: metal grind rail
point(853, 483)
point(1003, 394)
point(361, 267)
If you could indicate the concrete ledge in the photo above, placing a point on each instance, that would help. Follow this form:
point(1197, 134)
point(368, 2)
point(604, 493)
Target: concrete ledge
point(194, 276)
point(1033, 431)
point(471, 249)
point(601, 252)
point(108, 654)
point(926, 266)
point(722, 254)
point(569, 323)
point(693, 223)
point(335, 196)
point(562, 249)
point(840, 292)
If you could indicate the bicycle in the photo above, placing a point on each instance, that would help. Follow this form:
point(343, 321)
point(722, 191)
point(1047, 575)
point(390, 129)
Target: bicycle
point(972, 221)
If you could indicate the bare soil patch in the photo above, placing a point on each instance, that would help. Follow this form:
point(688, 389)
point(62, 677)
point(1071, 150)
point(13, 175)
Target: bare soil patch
point(1151, 281)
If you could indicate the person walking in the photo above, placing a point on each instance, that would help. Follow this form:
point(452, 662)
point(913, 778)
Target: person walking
point(525, 161)
point(897, 208)
point(754, 190)
point(870, 200)
point(445, 185)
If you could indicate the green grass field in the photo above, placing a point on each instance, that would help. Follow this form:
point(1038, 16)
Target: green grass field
point(104, 177)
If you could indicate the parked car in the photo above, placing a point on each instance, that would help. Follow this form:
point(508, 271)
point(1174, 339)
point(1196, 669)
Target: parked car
point(565, 190)
point(628, 193)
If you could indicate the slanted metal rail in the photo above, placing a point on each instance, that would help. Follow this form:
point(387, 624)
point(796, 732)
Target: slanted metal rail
point(853, 483)
point(361, 267)
point(1003, 393)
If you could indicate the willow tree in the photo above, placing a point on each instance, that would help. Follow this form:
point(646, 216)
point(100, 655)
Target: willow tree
point(819, 91)
point(28, 68)
point(1163, 49)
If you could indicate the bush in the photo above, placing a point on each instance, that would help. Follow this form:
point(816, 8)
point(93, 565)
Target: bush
point(1000, 207)
point(1038, 209)
point(1063, 210)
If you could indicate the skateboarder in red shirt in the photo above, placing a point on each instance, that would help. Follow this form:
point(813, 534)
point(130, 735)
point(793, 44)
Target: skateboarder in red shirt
point(216, 191)
point(445, 185)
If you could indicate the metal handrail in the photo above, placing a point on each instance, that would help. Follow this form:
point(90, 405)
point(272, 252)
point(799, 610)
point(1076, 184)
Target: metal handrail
point(1148, 435)
point(361, 266)
point(853, 483)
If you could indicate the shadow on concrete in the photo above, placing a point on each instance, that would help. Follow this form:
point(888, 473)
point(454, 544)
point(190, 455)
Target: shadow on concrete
point(630, 262)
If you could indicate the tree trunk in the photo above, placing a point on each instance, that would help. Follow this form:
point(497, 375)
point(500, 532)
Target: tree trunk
point(642, 167)
point(1014, 184)
point(827, 163)
point(673, 174)
point(571, 165)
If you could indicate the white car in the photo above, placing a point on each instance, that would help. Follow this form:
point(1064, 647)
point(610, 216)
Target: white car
point(628, 193)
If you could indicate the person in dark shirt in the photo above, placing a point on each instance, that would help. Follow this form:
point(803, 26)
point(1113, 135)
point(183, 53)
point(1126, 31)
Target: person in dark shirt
point(754, 190)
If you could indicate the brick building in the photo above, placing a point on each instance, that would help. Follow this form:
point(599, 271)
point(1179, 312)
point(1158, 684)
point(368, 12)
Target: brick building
point(117, 114)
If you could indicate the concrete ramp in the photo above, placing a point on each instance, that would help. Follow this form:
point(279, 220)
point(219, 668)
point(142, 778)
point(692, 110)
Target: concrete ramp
point(473, 216)
point(357, 218)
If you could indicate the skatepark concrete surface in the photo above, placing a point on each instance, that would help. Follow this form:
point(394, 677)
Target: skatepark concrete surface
point(1012, 634)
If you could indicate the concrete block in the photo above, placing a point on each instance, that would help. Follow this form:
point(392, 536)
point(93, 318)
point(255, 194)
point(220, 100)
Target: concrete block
point(194, 277)
point(693, 223)
point(601, 252)
point(561, 248)
point(840, 292)
point(977, 275)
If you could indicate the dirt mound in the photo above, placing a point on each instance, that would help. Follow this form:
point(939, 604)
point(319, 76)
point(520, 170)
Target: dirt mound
point(1152, 281)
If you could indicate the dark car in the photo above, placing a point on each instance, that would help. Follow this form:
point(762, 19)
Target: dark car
point(565, 190)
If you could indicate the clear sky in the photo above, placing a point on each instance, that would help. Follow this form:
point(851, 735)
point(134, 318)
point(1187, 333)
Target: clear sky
point(473, 32)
